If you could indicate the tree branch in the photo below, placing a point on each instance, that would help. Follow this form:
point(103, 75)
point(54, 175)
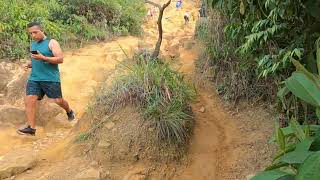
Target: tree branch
point(156, 51)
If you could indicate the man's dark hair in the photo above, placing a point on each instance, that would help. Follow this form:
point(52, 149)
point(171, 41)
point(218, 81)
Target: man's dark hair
point(31, 24)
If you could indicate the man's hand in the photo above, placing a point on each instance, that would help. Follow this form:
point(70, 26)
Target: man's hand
point(38, 56)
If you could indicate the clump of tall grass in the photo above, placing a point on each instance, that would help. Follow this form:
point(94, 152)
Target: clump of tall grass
point(160, 92)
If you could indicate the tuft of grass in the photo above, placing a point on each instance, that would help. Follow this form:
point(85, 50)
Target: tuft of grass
point(82, 137)
point(160, 92)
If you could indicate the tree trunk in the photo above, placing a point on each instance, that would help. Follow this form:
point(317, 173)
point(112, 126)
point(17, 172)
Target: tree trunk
point(156, 51)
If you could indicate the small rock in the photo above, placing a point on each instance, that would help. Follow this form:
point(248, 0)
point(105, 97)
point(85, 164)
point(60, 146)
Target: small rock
point(104, 144)
point(90, 173)
point(109, 125)
point(29, 171)
point(108, 173)
point(250, 176)
point(94, 163)
point(136, 157)
point(151, 129)
point(202, 109)
point(13, 177)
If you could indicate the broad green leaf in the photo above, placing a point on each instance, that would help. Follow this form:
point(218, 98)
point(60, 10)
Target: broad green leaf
point(310, 169)
point(288, 177)
point(270, 175)
point(276, 166)
point(302, 69)
point(281, 94)
point(304, 88)
point(304, 145)
point(287, 131)
point(295, 157)
point(280, 139)
point(297, 129)
point(289, 148)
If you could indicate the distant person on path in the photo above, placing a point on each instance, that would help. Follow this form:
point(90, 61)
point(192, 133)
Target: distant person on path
point(179, 4)
point(44, 79)
point(151, 12)
point(186, 17)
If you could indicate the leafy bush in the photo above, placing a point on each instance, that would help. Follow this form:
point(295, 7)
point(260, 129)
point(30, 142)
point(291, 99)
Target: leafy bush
point(298, 156)
point(235, 78)
point(272, 31)
point(161, 93)
point(262, 37)
point(74, 20)
point(267, 35)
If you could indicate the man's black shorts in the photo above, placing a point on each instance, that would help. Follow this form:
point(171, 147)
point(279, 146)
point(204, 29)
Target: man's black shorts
point(40, 88)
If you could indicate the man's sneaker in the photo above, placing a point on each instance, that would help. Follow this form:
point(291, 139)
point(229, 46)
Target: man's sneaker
point(71, 115)
point(27, 131)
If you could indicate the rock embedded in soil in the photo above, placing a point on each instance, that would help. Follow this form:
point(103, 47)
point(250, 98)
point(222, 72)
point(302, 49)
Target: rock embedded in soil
point(109, 125)
point(89, 174)
point(136, 174)
point(16, 88)
point(202, 109)
point(16, 162)
point(104, 144)
point(12, 115)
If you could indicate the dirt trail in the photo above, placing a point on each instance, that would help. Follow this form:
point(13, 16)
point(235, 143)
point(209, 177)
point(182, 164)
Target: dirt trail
point(85, 68)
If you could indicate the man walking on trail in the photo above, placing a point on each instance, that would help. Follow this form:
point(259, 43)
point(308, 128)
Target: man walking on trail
point(186, 17)
point(44, 79)
point(179, 4)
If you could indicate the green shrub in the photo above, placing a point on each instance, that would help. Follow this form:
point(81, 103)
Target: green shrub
point(74, 20)
point(202, 30)
point(298, 156)
point(259, 40)
point(235, 78)
point(161, 93)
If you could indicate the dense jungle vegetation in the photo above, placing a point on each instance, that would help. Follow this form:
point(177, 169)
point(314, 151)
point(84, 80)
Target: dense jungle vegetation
point(69, 21)
point(269, 50)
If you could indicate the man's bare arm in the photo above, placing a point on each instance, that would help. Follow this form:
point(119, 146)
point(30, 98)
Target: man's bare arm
point(56, 51)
